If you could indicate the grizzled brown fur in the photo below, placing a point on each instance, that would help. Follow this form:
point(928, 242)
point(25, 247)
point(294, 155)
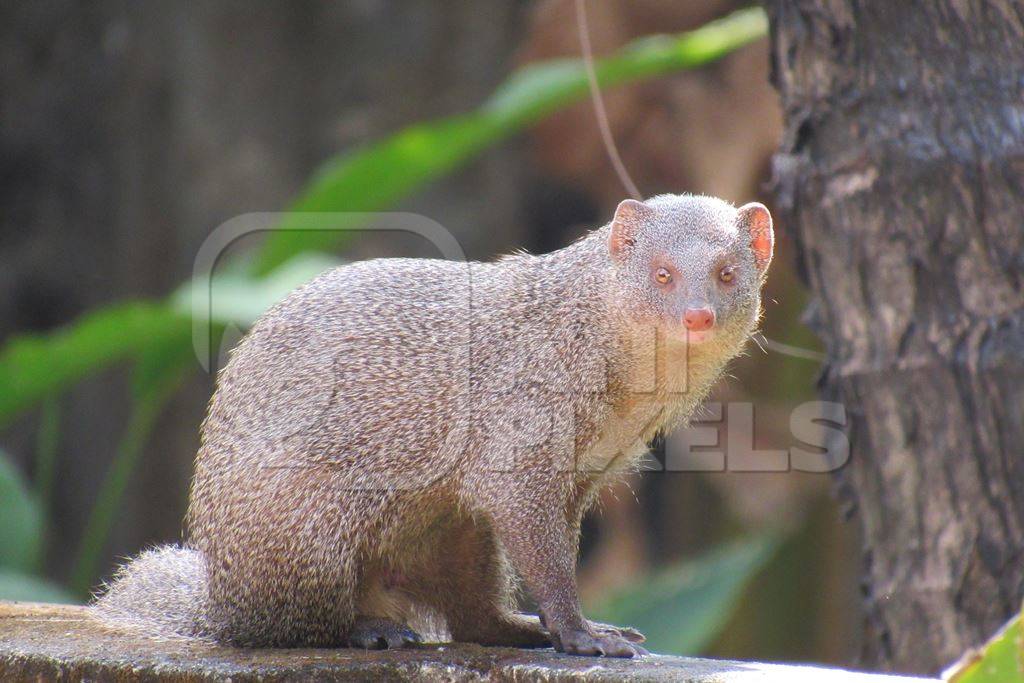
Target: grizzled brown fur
point(397, 439)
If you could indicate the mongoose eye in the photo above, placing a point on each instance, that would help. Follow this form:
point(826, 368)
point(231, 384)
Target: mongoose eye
point(663, 276)
point(727, 274)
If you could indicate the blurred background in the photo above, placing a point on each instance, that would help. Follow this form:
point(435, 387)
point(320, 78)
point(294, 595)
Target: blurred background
point(130, 131)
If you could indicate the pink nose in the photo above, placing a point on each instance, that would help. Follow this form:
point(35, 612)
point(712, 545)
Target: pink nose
point(699, 319)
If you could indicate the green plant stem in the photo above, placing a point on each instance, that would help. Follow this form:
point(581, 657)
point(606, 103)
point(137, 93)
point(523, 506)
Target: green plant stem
point(47, 440)
point(148, 406)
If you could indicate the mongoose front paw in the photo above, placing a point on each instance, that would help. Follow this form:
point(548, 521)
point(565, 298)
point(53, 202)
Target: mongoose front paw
point(630, 634)
point(596, 644)
point(374, 633)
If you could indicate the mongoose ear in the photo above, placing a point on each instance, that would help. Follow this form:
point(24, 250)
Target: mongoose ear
point(758, 222)
point(629, 215)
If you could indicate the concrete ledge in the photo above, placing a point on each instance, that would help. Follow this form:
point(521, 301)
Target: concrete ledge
point(60, 642)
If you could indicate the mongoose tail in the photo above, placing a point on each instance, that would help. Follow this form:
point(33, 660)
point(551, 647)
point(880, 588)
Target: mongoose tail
point(161, 592)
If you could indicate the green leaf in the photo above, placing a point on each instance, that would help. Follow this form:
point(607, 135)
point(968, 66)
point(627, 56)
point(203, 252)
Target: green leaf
point(1001, 660)
point(377, 176)
point(21, 521)
point(26, 588)
point(239, 299)
point(682, 608)
point(33, 367)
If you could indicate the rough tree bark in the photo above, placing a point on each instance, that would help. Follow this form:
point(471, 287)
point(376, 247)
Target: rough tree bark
point(901, 177)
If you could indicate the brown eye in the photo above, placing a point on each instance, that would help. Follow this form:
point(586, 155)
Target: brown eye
point(727, 274)
point(663, 276)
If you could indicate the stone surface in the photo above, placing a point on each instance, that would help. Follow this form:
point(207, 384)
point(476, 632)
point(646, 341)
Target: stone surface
point(60, 642)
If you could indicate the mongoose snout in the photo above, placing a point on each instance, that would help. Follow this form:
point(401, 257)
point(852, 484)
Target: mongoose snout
point(699, 319)
point(377, 482)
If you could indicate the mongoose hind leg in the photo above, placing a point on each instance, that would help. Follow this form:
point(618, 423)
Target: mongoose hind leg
point(384, 612)
point(284, 582)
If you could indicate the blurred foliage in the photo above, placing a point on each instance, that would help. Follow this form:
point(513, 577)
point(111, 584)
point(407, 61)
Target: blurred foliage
point(46, 451)
point(21, 534)
point(151, 394)
point(807, 583)
point(1001, 660)
point(28, 588)
point(33, 367)
point(680, 609)
point(239, 299)
point(377, 177)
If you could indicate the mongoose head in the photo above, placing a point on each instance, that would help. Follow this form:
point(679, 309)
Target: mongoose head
point(691, 266)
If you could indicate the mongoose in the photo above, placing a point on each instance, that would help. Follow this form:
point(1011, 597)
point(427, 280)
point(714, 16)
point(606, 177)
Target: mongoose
point(397, 439)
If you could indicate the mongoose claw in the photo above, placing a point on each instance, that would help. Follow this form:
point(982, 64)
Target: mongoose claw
point(375, 633)
point(596, 644)
point(627, 632)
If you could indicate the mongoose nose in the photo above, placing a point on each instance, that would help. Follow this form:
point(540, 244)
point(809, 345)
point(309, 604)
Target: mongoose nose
point(699, 319)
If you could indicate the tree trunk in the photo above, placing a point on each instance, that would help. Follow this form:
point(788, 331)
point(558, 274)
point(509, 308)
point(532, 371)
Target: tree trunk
point(901, 178)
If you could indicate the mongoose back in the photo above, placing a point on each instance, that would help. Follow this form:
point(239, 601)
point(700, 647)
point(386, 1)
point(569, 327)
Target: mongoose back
point(397, 440)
